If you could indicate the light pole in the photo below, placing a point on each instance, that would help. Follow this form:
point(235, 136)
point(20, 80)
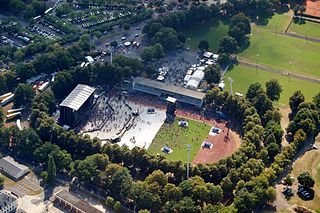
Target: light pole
point(257, 63)
point(230, 81)
point(289, 73)
point(307, 32)
point(111, 52)
point(188, 163)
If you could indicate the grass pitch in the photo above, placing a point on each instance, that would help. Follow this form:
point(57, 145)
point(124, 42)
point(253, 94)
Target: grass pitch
point(310, 162)
point(305, 28)
point(277, 51)
point(244, 76)
point(278, 23)
point(210, 32)
point(177, 138)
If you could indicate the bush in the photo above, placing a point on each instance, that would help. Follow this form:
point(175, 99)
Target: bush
point(117, 206)
point(110, 201)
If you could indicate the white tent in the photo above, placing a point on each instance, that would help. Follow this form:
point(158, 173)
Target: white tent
point(186, 78)
point(198, 75)
point(193, 84)
point(207, 54)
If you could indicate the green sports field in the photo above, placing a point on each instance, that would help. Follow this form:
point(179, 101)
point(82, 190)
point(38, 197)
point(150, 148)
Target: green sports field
point(278, 22)
point(210, 32)
point(177, 138)
point(277, 51)
point(244, 76)
point(306, 28)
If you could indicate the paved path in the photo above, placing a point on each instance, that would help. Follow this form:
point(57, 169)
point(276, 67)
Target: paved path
point(281, 72)
point(316, 40)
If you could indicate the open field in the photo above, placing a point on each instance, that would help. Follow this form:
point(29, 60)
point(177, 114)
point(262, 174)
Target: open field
point(309, 162)
point(211, 33)
point(305, 28)
point(277, 51)
point(278, 22)
point(177, 138)
point(244, 76)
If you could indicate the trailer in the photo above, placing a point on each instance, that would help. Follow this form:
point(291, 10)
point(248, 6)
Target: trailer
point(44, 86)
point(13, 115)
point(7, 100)
point(9, 111)
point(5, 95)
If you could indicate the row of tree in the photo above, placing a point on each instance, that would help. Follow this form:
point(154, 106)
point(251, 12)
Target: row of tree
point(28, 9)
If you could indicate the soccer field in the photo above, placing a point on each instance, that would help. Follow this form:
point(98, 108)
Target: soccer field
point(244, 76)
point(211, 33)
point(177, 138)
point(306, 28)
point(277, 51)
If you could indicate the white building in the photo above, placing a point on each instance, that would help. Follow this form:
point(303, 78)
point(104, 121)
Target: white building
point(8, 202)
point(89, 59)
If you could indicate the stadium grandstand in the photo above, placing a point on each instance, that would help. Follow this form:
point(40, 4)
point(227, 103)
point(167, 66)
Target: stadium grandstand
point(76, 103)
point(164, 90)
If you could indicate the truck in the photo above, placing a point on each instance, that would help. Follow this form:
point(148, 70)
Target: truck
point(7, 100)
point(5, 95)
point(13, 115)
point(44, 86)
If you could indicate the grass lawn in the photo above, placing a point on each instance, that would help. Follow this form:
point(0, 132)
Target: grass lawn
point(210, 32)
point(309, 162)
point(305, 28)
point(244, 76)
point(177, 138)
point(277, 51)
point(277, 22)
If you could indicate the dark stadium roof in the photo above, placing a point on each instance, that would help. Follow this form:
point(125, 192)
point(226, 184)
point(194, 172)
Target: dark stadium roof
point(158, 88)
point(169, 88)
point(78, 96)
point(76, 202)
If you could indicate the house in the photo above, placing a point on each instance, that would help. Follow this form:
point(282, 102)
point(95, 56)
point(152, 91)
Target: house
point(12, 168)
point(8, 202)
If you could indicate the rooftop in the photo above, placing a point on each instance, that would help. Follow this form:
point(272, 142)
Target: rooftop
point(169, 88)
point(6, 198)
point(78, 96)
point(76, 202)
point(11, 167)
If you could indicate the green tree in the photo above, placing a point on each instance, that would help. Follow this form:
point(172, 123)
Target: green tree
point(203, 45)
point(117, 206)
point(212, 74)
point(306, 180)
point(110, 201)
point(126, 26)
point(23, 95)
point(273, 89)
point(52, 170)
point(294, 101)
point(270, 195)
point(227, 44)
point(114, 44)
point(316, 100)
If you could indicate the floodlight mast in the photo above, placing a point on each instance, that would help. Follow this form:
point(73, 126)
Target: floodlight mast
point(188, 163)
point(230, 81)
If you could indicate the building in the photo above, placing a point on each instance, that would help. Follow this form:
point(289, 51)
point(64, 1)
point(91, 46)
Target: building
point(13, 169)
point(75, 104)
point(8, 202)
point(164, 90)
point(89, 59)
point(72, 203)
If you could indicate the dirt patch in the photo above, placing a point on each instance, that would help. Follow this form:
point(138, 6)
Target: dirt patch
point(223, 146)
point(284, 111)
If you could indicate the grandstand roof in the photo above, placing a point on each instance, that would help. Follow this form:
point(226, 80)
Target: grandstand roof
point(180, 93)
point(78, 96)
